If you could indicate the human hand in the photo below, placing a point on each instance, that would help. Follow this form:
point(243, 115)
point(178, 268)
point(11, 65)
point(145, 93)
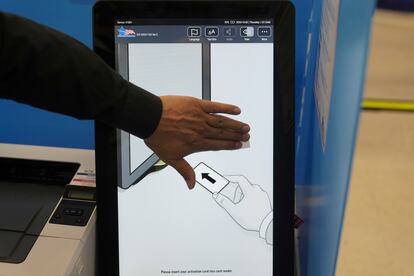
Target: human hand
point(232, 191)
point(253, 207)
point(190, 125)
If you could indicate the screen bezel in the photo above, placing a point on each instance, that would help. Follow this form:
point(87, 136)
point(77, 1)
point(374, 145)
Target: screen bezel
point(105, 15)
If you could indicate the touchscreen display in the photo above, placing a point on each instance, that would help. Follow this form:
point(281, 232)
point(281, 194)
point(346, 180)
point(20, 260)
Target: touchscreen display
point(225, 225)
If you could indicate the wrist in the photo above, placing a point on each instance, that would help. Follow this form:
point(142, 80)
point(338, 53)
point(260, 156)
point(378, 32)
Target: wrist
point(265, 224)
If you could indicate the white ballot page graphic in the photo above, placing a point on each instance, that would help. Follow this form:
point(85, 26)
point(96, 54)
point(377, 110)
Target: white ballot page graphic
point(158, 68)
point(166, 229)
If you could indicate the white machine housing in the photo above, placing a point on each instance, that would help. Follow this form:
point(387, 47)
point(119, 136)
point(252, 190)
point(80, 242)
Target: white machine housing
point(60, 250)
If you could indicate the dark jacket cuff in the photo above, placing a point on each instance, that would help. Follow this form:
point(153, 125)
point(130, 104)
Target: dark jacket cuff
point(139, 114)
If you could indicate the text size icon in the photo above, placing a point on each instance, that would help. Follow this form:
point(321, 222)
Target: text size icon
point(212, 31)
point(246, 31)
point(193, 31)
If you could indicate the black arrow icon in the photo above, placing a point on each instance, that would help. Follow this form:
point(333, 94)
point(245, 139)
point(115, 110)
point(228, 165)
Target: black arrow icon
point(209, 178)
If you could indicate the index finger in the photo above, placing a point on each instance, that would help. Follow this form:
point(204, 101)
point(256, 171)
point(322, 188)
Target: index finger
point(222, 122)
point(215, 107)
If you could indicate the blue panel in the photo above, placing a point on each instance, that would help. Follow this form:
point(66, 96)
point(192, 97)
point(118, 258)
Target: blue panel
point(323, 177)
point(307, 33)
point(22, 124)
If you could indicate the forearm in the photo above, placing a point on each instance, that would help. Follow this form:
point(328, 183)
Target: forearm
point(47, 69)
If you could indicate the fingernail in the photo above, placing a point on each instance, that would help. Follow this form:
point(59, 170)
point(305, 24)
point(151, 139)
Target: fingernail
point(237, 110)
point(238, 145)
point(246, 128)
point(246, 137)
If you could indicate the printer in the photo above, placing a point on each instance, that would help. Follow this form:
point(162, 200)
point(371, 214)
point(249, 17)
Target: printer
point(47, 211)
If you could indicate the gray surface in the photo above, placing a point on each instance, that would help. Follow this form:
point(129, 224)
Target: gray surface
point(206, 71)
point(24, 210)
point(17, 216)
point(8, 242)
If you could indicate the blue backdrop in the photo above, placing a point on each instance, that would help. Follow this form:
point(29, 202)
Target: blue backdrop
point(22, 124)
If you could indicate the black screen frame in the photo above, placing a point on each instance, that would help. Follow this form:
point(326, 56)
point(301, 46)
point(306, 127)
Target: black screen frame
point(105, 15)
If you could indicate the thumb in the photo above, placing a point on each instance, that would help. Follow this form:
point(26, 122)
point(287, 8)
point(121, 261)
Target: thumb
point(186, 171)
point(225, 203)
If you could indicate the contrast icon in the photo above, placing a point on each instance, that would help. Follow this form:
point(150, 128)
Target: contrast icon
point(247, 31)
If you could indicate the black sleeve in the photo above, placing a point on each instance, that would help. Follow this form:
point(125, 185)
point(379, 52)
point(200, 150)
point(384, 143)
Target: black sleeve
point(47, 69)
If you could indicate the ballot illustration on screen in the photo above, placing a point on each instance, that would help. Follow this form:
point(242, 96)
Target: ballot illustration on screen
point(192, 61)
